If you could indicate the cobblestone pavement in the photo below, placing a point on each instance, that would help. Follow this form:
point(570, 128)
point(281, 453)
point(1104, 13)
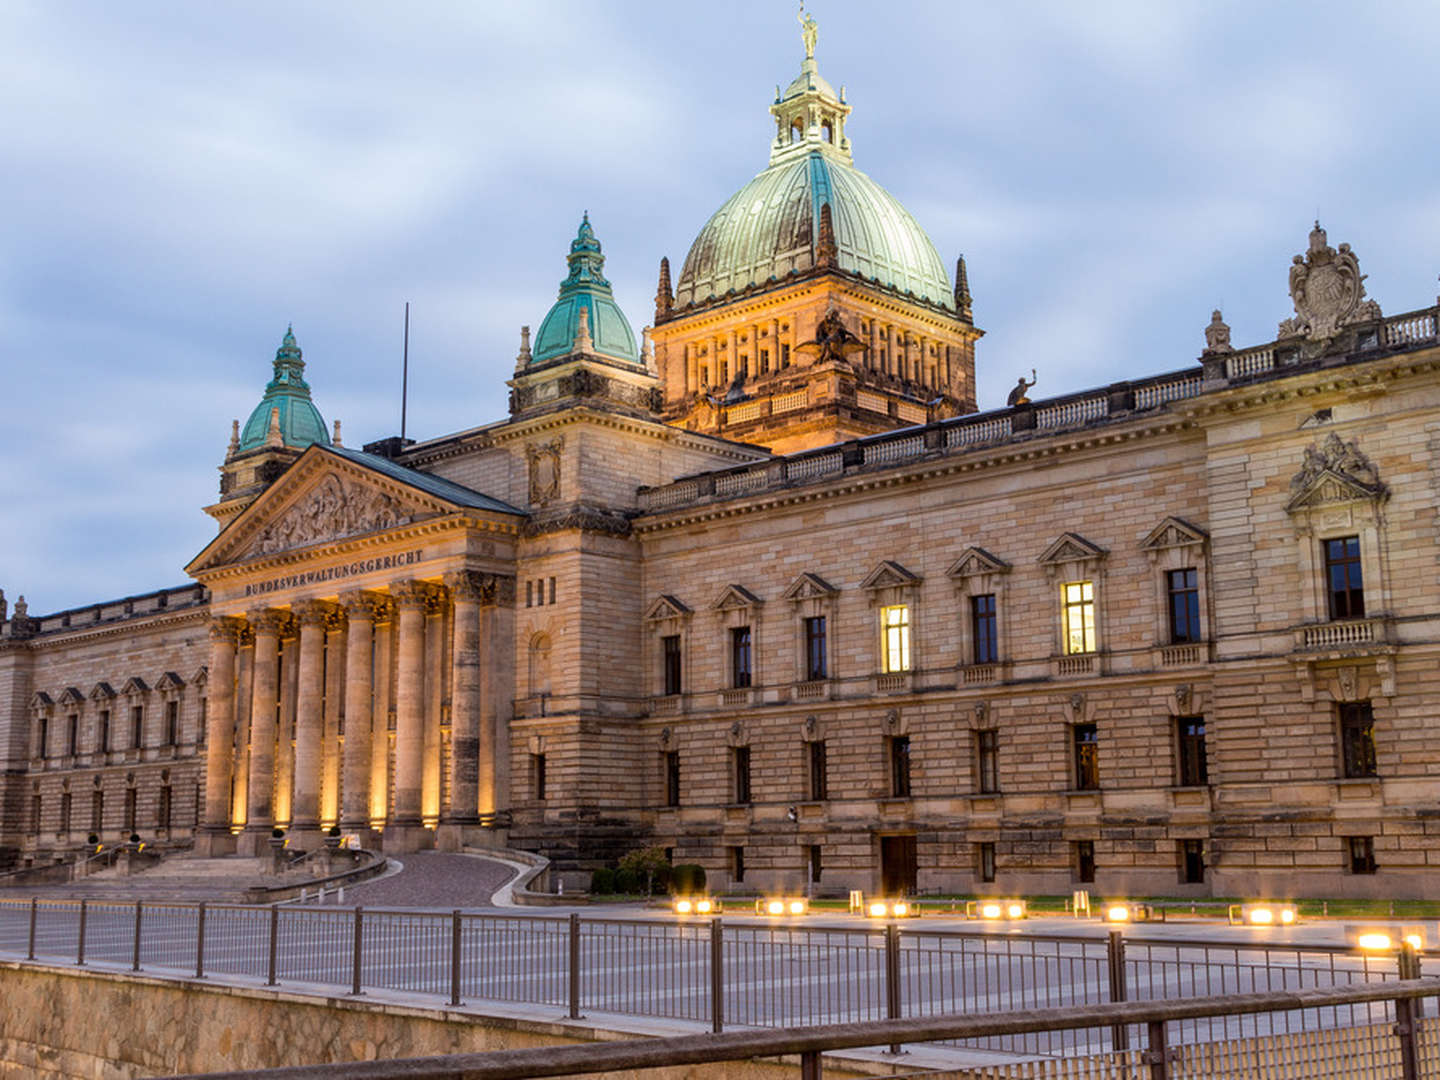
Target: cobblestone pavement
point(434, 879)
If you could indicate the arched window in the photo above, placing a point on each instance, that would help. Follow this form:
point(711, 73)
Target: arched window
point(796, 131)
point(825, 132)
point(540, 665)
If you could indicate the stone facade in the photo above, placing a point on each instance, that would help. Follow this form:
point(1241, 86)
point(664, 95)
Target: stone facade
point(1175, 635)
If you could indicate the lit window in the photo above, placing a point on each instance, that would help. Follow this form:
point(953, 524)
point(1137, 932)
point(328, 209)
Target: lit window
point(1086, 741)
point(895, 642)
point(1078, 609)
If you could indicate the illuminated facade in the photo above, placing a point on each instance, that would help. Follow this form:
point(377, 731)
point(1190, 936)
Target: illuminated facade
point(761, 586)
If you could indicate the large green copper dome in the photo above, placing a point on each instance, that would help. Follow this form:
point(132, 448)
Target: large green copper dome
point(300, 421)
point(770, 228)
point(585, 289)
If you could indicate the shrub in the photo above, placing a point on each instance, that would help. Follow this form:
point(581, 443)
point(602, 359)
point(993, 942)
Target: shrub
point(602, 882)
point(626, 881)
point(687, 878)
point(647, 864)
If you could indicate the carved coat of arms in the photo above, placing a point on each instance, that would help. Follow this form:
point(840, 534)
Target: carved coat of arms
point(544, 463)
point(1328, 291)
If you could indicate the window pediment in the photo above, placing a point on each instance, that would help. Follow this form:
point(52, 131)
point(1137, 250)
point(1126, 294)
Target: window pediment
point(889, 575)
point(1071, 548)
point(102, 691)
point(736, 596)
point(41, 700)
point(1333, 473)
point(72, 696)
point(666, 607)
point(974, 561)
point(135, 685)
point(808, 586)
point(1173, 532)
point(201, 676)
point(170, 681)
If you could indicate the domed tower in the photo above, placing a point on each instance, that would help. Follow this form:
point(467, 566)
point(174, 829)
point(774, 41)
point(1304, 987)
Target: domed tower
point(812, 307)
point(585, 351)
point(278, 430)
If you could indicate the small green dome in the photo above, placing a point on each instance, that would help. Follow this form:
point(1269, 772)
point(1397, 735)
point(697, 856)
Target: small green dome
point(585, 288)
point(300, 421)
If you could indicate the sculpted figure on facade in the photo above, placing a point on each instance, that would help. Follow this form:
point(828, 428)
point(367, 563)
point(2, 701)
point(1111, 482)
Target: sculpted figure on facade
point(1328, 291)
point(333, 510)
point(1217, 335)
point(1339, 458)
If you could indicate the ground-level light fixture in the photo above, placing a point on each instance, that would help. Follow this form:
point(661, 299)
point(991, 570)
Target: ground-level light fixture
point(1261, 913)
point(1385, 938)
point(997, 909)
point(891, 909)
point(780, 906)
point(1126, 911)
point(696, 905)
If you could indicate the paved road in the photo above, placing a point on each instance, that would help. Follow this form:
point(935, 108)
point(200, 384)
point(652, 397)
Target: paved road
point(433, 879)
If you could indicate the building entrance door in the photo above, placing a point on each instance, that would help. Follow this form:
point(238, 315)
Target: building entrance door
point(897, 865)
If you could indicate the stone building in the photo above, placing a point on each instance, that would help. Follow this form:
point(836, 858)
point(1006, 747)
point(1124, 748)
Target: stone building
point(765, 589)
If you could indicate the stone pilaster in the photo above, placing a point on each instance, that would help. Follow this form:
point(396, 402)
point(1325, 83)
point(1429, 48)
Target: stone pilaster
point(497, 692)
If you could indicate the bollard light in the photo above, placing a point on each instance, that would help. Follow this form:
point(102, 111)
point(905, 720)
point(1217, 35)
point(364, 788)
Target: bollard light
point(684, 907)
point(781, 906)
point(893, 909)
point(996, 909)
point(1126, 911)
point(705, 906)
point(1382, 938)
point(1117, 913)
point(695, 905)
point(1260, 913)
point(878, 909)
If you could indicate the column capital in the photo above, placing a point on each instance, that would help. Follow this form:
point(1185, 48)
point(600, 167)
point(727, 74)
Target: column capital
point(226, 628)
point(414, 595)
point(476, 586)
point(362, 604)
point(270, 621)
point(312, 612)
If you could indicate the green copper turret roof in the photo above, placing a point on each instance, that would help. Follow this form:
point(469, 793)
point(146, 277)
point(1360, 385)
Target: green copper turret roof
point(585, 288)
point(300, 421)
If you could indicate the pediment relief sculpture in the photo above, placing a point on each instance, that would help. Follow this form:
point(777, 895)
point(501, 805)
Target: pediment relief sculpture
point(889, 575)
point(666, 607)
point(334, 509)
point(1174, 532)
point(1071, 547)
point(808, 586)
point(736, 596)
point(1334, 472)
point(1328, 291)
point(976, 560)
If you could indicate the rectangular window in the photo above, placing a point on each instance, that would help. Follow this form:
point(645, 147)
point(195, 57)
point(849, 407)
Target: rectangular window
point(129, 810)
point(672, 778)
point(740, 767)
point(900, 766)
point(1190, 765)
point(36, 809)
point(65, 803)
point(1085, 861)
point(72, 734)
point(552, 590)
point(740, 657)
point(819, 780)
point(1086, 742)
point(815, 648)
point(737, 864)
point(1361, 850)
point(104, 731)
point(172, 723)
point(670, 662)
point(164, 807)
point(815, 866)
point(1183, 590)
point(982, 629)
point(987, 761)
point(137, 726)
point(1192, 862)
point(1344, 586)
point(529, 594)
point(205, 721)
point(764, 361)
point(985, 858)
point(1357, 740)
point(537, 776)
point(895, 638)
point(784, 356)
point(1078, 612)
point(43, 742)
point(97, 811)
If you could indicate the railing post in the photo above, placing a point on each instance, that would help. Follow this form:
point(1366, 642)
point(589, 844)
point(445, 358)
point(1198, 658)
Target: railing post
point(1407, 1015)
point(274, 944)
point(892, 977)
point(1115, 955)
point(34, 910)
point(574, 965)
point(355, 954)
point(80, 944)
point(200, 941)
point(135, 953)
point(717, 976)
point(1157, 1053)
point(810, 1065)
point(455, 957)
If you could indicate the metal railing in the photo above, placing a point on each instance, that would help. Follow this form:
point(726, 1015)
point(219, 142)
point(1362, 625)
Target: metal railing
point(1406, 1049)
point(707, 972)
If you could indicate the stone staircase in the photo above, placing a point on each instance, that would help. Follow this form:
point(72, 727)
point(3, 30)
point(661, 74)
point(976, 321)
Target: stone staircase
point(179, 878)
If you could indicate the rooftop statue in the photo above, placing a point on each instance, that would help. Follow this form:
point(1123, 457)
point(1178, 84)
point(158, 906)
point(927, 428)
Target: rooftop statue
point(1018, 394)
point(1328, 291)
point(809, 33)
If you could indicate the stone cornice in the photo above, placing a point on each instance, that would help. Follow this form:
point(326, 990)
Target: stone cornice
point(1374, 375)
point(197, 613)
point(938, 463)
point(653, 429)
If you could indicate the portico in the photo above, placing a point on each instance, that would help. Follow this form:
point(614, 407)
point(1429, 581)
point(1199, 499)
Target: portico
point(360, 645)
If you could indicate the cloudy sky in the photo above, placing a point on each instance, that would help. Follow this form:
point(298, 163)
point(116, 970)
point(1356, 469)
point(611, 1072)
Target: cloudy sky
point(180, 180)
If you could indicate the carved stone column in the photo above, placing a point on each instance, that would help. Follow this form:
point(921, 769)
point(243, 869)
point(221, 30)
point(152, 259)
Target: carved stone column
point(309, 723)
point(497, 693)
point(355, 804)
point(334, 699)
point(410, 598)
point(268, 625)
point(467, 590)
point(437, 675)
point(214, 836)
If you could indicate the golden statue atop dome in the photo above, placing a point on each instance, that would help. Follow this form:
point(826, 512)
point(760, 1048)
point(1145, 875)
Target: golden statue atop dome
point(809, 31)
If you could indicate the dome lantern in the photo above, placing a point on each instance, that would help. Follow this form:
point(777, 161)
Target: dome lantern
point(809, 115)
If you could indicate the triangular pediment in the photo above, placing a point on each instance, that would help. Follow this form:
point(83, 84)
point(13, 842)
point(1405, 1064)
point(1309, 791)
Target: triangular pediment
point(102, 691)
point(334, 494)
point(201, 676)
point(735, 596)
point(976, 560)
point(135, 685)
point(1330, 488)
point(666, 607)
point(1174, 532)
point(1071, 547)
point(41, 700)
point(72, 696)
point(808, 586)
point(170, 681)
point(888, 575)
